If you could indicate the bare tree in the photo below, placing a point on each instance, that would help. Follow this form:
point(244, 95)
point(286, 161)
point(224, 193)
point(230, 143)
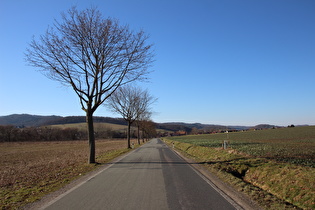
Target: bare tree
point(148, 128)
point(92, 55)
point(130, 102)
point(140, 122)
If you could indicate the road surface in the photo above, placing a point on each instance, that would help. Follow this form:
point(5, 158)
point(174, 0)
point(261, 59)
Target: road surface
point(150, 177)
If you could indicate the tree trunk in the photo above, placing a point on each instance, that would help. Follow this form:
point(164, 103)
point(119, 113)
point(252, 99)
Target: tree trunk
point(91, 137)
point(138, 134)
point(128, 134)
point(143, 133)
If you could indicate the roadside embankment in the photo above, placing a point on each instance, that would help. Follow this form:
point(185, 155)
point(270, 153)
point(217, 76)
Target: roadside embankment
point(272, 184)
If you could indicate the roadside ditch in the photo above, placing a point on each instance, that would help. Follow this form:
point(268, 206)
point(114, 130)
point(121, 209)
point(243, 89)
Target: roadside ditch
point(270, 184)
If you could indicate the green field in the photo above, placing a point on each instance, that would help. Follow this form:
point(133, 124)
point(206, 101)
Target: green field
point(274, 167)
point(293, 145)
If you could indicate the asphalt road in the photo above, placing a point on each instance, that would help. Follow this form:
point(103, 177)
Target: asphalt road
point(150, 177)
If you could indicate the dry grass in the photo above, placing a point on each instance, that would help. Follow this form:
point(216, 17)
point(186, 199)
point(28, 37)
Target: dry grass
point(30, 170)
point(272, 184)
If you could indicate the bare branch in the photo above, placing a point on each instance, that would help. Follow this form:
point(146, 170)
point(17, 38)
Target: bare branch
point(130, 102)
point(91, 54)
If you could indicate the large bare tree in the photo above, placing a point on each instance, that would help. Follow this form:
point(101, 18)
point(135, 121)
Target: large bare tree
point(93, 55)
point(130, 102)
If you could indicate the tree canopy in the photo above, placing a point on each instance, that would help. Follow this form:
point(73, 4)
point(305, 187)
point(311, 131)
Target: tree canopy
point(131, 103)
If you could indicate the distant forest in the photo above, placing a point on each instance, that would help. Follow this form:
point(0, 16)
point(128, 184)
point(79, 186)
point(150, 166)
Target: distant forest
point(24, 127)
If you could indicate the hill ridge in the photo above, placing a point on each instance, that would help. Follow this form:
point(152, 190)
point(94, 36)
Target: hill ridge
point(28, 120)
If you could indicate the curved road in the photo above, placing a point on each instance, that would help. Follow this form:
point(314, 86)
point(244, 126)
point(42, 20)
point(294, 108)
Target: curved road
point(150, 177)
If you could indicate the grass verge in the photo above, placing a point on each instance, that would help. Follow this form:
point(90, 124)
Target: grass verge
point(272, 184)
point(30, 170)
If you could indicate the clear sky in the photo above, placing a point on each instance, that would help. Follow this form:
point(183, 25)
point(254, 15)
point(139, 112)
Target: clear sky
point(230, 62)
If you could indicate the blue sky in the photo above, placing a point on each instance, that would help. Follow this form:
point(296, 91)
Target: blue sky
point(230, 62)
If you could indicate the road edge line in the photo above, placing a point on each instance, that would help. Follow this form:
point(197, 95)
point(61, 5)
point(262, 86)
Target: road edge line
point(238, 199)
point(52, 197)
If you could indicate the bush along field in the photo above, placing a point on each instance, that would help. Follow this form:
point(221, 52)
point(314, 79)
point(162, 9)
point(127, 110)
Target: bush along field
point(275, 167)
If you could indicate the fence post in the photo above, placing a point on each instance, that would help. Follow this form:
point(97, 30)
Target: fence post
point(225, 144)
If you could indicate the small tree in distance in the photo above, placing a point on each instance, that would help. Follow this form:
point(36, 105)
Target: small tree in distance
point(148, 128)
point(140, 123)
point(92, 55)
point(130, 102)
